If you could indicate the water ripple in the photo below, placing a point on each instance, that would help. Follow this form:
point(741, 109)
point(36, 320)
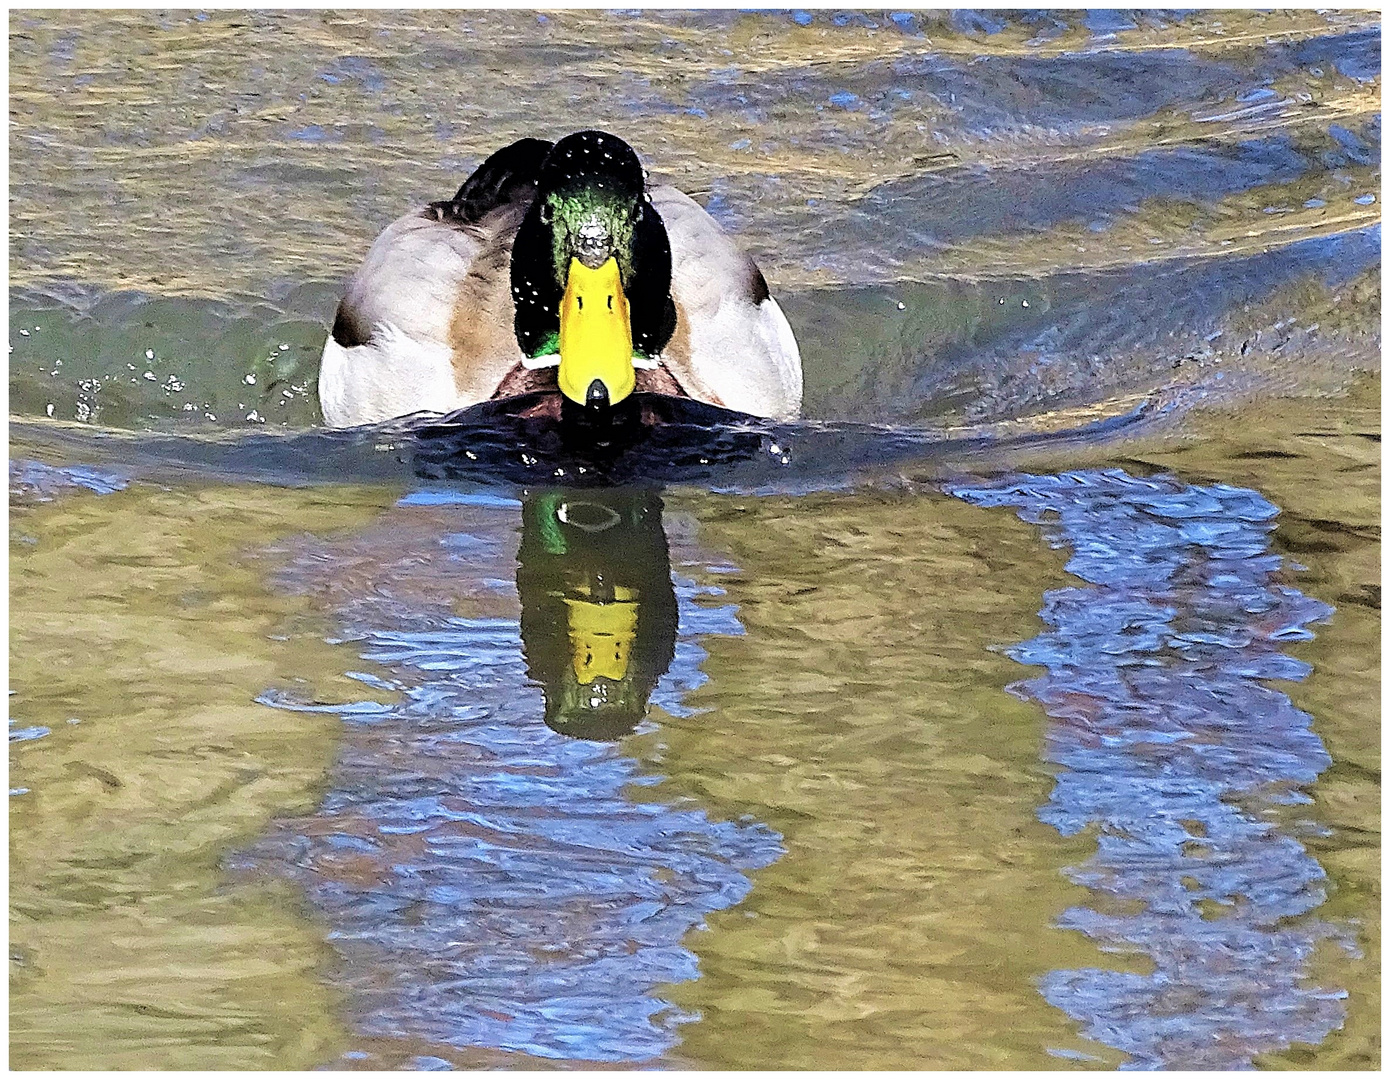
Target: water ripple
point(35, 482)
point(1166, 738)
point(492, 883)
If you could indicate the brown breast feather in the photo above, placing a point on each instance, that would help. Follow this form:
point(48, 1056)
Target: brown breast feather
point(481, 332)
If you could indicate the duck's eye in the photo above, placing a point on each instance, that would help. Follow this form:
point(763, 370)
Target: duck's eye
point(610, 303)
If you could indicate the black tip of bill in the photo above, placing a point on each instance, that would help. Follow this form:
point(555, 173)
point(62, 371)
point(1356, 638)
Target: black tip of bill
point(596, 397)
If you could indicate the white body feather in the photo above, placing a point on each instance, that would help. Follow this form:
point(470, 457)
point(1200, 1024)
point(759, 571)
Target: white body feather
point(394, 374)
point(741, 352)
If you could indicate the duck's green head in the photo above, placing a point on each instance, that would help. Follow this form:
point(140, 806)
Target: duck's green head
point(591, 269)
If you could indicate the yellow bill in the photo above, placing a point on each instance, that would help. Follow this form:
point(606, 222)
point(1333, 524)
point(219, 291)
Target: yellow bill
point(601, 636)
point(595, 336)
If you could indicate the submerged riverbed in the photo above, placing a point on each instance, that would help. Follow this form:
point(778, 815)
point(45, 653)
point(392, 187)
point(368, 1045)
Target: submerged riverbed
point(1018, 709)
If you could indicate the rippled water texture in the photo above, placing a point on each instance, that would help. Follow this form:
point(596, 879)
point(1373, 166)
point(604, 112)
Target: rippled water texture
point(492, 884)
point(1018, 708)
point(1170, 741)
point(968, 217)
point(871, 801)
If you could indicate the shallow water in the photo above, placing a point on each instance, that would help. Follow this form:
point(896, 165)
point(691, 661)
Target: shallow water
point(1017, 709)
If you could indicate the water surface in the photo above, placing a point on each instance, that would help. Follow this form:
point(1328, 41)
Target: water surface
point(1018, 708)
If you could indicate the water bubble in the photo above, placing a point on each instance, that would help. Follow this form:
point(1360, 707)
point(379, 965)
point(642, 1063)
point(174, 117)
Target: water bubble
point(249, 379)
point(149, 354)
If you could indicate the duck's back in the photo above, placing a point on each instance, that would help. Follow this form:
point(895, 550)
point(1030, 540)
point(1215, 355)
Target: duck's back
point(430, 292)
point(426, 322)
point(732, 346)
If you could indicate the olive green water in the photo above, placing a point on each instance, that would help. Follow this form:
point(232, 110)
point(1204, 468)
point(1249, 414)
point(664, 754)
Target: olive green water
point(839, 839)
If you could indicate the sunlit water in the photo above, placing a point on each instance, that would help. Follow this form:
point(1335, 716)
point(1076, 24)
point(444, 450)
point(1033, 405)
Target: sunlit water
point(1006, 712)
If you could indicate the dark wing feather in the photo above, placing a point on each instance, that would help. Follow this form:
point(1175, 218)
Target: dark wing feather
point(508, 176)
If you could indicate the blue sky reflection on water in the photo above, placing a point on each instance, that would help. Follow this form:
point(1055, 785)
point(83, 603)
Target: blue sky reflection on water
point(1167, 737)
point(491, 883)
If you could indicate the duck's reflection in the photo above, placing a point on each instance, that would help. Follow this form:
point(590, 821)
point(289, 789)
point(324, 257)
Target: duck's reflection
point(491, 884)
point(1169, 742)
point(598, 612)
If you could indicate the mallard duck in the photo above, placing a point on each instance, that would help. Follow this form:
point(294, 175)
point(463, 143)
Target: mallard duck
point(556, 266)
